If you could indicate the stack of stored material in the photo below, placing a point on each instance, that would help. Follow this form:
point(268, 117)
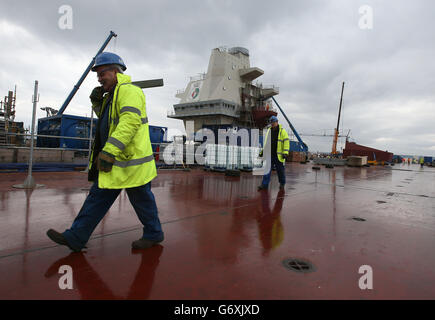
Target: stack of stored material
point(330, 161)
point(16, 127)
point(356, 161)
point(222, 157)
point(6, 155)
point(41, 155)
point(353, 149)
point(295, 156)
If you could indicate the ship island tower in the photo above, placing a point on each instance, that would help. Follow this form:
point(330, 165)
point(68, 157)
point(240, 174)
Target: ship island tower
point(226, 96)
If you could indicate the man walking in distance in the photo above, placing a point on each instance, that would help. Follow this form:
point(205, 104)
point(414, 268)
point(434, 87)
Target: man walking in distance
point(279, 149)
point(122, 158)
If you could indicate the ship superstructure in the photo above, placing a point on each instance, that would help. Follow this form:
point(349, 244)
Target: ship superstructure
point(226, 94)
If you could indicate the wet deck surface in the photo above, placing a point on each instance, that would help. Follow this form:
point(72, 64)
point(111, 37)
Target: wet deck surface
point(225, 240)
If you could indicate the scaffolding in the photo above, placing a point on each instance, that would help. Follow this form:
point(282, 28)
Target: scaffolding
point(7, 116)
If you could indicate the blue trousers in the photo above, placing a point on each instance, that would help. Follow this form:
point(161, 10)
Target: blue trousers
point(279, 169)
point(99, 201)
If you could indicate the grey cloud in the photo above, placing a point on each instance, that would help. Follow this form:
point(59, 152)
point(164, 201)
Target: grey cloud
point(307, 48)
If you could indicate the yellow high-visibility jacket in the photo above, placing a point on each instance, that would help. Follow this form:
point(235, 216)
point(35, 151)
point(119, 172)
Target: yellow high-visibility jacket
point(283, 145)
point(129, 138)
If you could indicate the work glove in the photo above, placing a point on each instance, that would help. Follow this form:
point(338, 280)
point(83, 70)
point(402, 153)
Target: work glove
point(97, 95)
point(105, 161)
point(261, 153)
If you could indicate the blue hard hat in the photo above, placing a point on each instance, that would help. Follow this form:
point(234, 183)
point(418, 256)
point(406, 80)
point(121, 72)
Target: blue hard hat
point(105, 58)
point(273, 119)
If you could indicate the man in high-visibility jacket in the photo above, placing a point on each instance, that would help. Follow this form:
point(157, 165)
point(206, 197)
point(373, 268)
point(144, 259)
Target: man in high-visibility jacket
point(279, 149)
point(122, 158)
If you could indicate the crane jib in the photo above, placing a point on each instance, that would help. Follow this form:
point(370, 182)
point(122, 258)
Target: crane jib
point(82, 78)
point(303, 145)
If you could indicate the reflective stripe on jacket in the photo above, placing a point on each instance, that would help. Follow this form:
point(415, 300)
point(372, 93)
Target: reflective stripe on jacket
point(283, 145)
point(129, 139)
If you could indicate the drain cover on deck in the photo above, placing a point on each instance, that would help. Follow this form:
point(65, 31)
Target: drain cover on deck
point(298, 265)
point(358, 219)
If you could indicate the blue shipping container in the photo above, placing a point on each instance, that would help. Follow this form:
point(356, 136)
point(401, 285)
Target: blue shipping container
point(67, 126)
point(75, 126)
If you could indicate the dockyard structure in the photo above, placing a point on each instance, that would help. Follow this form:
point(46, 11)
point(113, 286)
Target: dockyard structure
point(7, 124)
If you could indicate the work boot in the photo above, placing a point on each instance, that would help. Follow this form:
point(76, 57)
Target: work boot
point(60, 239)
point(143, 243)
point(262, 187)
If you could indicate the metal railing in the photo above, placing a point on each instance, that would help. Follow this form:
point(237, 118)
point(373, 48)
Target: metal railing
point(244, 157)
point(203, 111)
point(270, 86)
point(60, 137)
point(49, 136)
point(200, 76)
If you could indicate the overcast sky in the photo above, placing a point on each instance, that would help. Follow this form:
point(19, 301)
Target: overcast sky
point(306, 48)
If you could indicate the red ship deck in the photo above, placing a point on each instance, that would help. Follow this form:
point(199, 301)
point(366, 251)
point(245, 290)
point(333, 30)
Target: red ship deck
point(225, 240)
